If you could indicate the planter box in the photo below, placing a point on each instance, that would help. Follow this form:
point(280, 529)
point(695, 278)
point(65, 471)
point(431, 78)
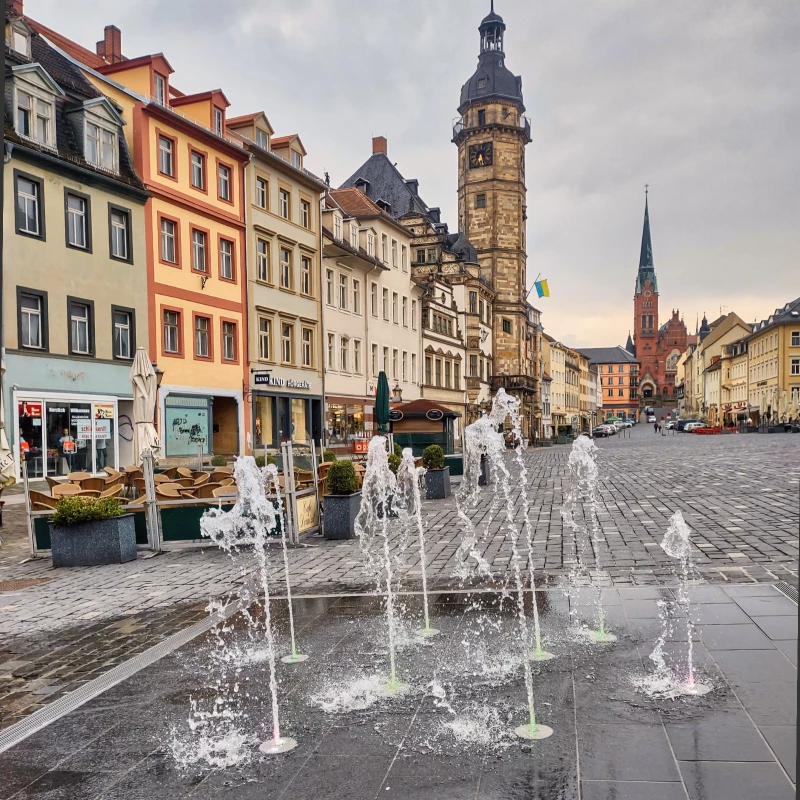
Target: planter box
point(339, 515)
point(562, 440)
point(437, 483)
point(106, 541)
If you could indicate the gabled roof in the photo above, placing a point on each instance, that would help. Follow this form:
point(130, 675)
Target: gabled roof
point(212, 94)
point(41, 73)
point(82, 54)
point(355, 203)
point(721, 326)
point(419, 408)
point(246, 119)
point(789, 314)
point(284, 141)
point(158, 59)
point(608, 355)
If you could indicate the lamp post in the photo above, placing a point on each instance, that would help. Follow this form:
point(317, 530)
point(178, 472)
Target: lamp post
point(397, 394)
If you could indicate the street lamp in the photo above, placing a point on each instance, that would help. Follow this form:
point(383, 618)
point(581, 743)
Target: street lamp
point(397, 394)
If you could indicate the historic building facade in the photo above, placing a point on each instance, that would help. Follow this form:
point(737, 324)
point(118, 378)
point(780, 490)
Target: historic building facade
point(656, 348)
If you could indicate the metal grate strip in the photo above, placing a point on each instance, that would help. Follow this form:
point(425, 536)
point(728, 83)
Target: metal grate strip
point(26, 727)
point(787, 589)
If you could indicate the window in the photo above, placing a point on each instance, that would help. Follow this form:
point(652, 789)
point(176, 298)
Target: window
point(405, 311)
point(171, 332)
point(198, 161)
point(297, 160)
point(337, 229)
point(35, 118)
point(224, 182)
point(201, 331)
point(168, 241)
point(480, 201)
point(420, 256)
point(343, 292)
point(119, 225)
point(795, 338)
point(344, 350)
point(29, 207)
point(20, 41)
point(447, 371)
point(414, 314)
point(286, 268)
point(262, 192)
point(357, 356)
point(218, 121)
point(370, 245)
point(374, 359)
point(373, 294)
point(284, 203)
point(620, 393)
point(286, 343)
point(265, 338)
point(413, 367)
point(405, 365)
point(166, 164)
point(394, 253)
point(262, 261)
point(32, 319)
point(329, 286)
point(404, 258)
point(160, 86)
point(123, 333)
point(199, 251)
point(386, 304)
point(262, 140)
point(506, 326)
point(226, 259)
point(394, 307)
point(354, 236)
point(473, 302)
point(308, 347)
point(438, 371)
point(229, 341)
point(795, 370)
point(473, 366)
point(101, 147)
point(331, 351)
point(386, 360)
point(428, 370)
point(78, 222)
point(80, 328)
point(305, 275)
point(305, 213)
point(394, 364)
point(431, 255)
point(620, 368)
point(356, 296)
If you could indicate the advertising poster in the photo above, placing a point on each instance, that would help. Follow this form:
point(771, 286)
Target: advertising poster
point(28, 410)
point(307, 513)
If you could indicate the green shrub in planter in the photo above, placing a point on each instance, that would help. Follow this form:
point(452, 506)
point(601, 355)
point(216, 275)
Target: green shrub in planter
point(260, 461)
point(394, 462)
point(328, 455)
point(73, 510)
point(342, 478)
point(433, 457)
point(398, 451)
point(219, 461)
point(271, 460)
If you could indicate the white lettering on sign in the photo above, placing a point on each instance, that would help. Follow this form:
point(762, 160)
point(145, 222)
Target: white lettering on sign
point(289, 383)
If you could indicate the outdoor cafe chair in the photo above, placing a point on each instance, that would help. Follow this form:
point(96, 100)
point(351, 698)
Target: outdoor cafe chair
point(51, 482)
point(138, 502)
point(98, 484)
point(168, 491)
point(87, 493)
point(115, 480)
point(112, 473)
point(66, 488)
point(185, 482)
point(39, 498)
point(226, 470)
point(206, 490)
point(77, 477)
point(201, 478)
point(139, 484)
point(226, 482)
point(184, 472)
point(224, 491)
point(113, 491)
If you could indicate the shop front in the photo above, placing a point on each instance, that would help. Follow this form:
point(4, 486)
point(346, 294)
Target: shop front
point(58, 433)
point(347, 419)
point(194, 421)
point(285, 409)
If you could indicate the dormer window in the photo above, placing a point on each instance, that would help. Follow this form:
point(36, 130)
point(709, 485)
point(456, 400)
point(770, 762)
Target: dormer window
point(34, 118)
point(354, 236)
point(370, 245)
point(18, 37)
point(337, 227)
point(262, 140)
point(218, 120)
point(297, 159)
point(101, 147)
point(160, 85)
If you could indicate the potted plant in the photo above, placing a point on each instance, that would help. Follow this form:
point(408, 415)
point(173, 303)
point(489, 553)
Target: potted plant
point(219, 461)
point(88, 531)
point(328, 456)
point(342, 501)
point(437, 475)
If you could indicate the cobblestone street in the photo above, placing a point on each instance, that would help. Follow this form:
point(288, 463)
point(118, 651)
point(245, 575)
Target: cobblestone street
point(738, 493)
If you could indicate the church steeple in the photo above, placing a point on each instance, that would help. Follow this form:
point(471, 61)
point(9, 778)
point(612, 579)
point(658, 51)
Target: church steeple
point(646, 269)
point(629, 345)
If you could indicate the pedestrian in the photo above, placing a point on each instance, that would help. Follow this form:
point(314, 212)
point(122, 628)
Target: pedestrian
point(655, 427)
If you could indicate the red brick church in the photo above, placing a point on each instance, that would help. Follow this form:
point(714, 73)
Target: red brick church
point(657, 348)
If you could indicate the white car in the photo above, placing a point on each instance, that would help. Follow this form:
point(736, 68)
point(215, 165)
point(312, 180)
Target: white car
point(651, 418)
point(690, 426)
point(624, 423)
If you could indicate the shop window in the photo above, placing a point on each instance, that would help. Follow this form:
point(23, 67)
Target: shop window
point(81, 326)
point(124, 332)
point(32, 319)
point(344, 422)
point(264, 421)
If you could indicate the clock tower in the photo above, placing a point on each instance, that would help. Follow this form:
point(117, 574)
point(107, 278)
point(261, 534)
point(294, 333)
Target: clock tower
point(491, 135)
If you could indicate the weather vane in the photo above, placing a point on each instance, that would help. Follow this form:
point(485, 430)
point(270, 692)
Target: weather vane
point(646, 188)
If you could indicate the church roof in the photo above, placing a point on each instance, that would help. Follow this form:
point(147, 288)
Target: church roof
point(629, 346)
point(608, 355)
point(646, 269)
point(459, 245)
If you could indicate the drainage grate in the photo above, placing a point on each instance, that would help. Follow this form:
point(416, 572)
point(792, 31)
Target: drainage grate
point(14, 734)
point(21, 583)
point(787, 589)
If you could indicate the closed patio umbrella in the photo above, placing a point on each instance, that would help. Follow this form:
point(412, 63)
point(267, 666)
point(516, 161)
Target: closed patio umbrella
point(143, 378)
point(6, 456)
point(382, 403)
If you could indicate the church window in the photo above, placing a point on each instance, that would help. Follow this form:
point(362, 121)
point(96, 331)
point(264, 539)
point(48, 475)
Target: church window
point(507, 326)
point(481, 112)
point(420, 256)
point(480, 201)
point(481, 83)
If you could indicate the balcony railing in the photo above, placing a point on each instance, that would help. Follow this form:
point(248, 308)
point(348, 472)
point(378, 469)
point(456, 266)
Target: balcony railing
point(492, 117)
point(520, 382)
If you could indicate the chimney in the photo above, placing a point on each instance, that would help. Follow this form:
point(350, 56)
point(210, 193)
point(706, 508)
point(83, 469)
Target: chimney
point(379, 144)
point(110, 49)
point(15, 7)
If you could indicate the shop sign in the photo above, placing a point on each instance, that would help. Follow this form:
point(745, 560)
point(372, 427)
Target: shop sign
point(261, 378)
point(104, 410)
point(101, 429)
point(284, 383)
point(396, 416)
point(307, 513)
point(434, 414)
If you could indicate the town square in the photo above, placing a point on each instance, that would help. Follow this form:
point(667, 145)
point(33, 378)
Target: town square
point(323, 480)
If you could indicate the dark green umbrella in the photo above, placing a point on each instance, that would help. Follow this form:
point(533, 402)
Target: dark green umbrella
point(382, 403)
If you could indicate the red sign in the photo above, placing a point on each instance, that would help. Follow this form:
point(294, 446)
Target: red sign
point(360, 445)
point(30, 410)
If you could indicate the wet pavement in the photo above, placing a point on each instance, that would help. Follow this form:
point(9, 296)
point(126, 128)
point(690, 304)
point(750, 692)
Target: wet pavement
point(448, 735)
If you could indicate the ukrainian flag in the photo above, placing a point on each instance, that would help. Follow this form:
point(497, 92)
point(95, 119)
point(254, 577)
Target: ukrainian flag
point(542, 289)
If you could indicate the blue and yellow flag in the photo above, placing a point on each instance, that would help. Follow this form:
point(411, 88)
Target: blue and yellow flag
point(542, 289)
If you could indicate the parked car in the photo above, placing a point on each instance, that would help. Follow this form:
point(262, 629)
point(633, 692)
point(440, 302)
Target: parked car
point(670, 424)
point(651, 418)
point(601, 431)
point(682, 423)
point(690, 426)
point(624, 423)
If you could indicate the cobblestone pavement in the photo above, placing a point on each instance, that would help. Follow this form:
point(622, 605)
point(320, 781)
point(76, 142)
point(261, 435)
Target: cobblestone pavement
point(739, 494)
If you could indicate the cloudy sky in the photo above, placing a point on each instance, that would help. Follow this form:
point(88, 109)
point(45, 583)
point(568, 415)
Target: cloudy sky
point(698, 99)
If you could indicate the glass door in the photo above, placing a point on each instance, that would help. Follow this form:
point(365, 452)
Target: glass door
point(105, 438)
point(31, 442)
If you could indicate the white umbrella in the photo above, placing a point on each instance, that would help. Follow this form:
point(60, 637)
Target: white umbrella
point(7, 476)
point(143, 378)
point(784, 404)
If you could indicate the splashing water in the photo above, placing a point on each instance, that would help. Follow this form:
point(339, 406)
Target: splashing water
point(584, 476)
point(376, 537)
point(409, 503)
point(249, 523)
point(272, 486)
point(356, 694)
point(677, 544)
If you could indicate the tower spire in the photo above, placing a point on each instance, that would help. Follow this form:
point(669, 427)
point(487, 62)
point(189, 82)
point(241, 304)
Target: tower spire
point(646, 255)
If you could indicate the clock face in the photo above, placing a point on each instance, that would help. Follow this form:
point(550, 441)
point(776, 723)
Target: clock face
point(480, 155)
